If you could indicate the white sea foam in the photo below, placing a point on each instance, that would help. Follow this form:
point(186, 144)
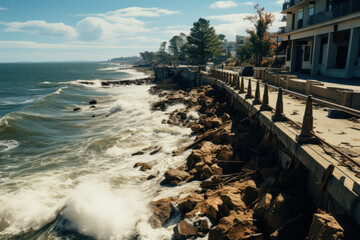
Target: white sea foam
point(7, 145)
point(97, 210)
point(192, 115)
point(134, 74)
point(95, 178)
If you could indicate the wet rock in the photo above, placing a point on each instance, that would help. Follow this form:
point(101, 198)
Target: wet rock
point(92, 106)
point(226, 153)
point(233, 227)
point(196, 128)
point(206, 172)
point(216, 170)
point(76, 109)
point(250, 195)
point(188, 203)
point(263, 205)
point(275, 210)
point(233, 201)
point(138, 153)
point(158, 149)
point(212, 122)
point(93, 102)
point(202, 225)
point(324, 226)
point(143, 166)
point(211, 183)
point(184, 230)
point(159, 106)
point(225, 117)
point(162, 211)
point(174, 177)
point(152, 176)
point(211, 208)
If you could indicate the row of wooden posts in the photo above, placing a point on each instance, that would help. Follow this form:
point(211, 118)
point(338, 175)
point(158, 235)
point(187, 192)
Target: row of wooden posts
point(238, 83)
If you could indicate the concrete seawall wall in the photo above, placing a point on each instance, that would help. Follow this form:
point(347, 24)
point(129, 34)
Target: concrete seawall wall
point(340, 186)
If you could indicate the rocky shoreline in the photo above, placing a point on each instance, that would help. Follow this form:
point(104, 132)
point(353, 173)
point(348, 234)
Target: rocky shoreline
point(244, 194)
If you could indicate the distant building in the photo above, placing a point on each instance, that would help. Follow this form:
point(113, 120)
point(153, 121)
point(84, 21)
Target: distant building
point(322, 37)
point(230, 47)
point(241, 40)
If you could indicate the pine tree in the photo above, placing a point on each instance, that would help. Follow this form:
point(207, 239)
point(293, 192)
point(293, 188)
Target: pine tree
point(176, 44)
point(203, 43)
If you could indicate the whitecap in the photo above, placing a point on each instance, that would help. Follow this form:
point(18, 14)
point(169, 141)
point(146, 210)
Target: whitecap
point(6, 145)
point(97, 210)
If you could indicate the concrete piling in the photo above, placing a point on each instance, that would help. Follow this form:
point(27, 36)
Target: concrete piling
point(279, 111)
point(242, 86)
point(308, 124)
point(237, 82)
point(265, 103)
point(257, 100)
point(249, 91)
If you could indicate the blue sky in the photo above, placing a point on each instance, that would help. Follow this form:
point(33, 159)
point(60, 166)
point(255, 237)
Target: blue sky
point(94, 30)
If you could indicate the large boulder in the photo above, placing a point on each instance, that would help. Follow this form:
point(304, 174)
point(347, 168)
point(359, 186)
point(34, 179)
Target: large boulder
point(175, 176)
point(184, 230)
point(143, 166)
point(162, 211)
point(324, 226)
point(188, 203)
point(275, 210)
point(233, 227)
point(212, 122)
point(233, 201)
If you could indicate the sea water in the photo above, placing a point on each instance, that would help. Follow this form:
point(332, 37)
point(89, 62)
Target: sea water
point(65, 174)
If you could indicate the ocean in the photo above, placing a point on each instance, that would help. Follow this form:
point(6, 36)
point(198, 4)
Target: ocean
point(65, 174)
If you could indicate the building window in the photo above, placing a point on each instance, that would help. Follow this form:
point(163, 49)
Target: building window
point(311, 9)
point(300, 18)
point(328, 5)
point(307, 54)
point(293, 22)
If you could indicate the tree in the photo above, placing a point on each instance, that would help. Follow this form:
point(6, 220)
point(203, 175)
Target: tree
point(176, 44)
point(221, 37)
point(260, 41)
point(203, 43)
point(147, 56)
point(244, 53)
point(162, 55)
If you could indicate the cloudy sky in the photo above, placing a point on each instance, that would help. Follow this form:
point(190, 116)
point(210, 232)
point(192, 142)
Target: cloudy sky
point(94, 30)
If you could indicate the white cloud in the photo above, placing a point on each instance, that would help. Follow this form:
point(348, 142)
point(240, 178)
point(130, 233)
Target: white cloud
point(249, 3)
point(135, 12)
point(234, 24)
point(279, 2)
point(41, 28)
point(101, 26)
point(223, 4)
point(1, 8)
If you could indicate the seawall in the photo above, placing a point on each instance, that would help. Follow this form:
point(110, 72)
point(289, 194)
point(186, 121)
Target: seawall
point(340, 189)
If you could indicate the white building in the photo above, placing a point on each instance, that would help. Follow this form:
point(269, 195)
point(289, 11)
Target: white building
point(230, 48)
point(323, 37)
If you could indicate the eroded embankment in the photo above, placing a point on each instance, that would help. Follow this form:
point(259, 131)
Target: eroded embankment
point(244, 192)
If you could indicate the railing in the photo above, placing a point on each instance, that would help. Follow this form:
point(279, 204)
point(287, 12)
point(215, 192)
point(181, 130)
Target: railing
point(338, 10)
point(342, 9)
point(320, 17)
point(289, 3)
point(307, 134)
